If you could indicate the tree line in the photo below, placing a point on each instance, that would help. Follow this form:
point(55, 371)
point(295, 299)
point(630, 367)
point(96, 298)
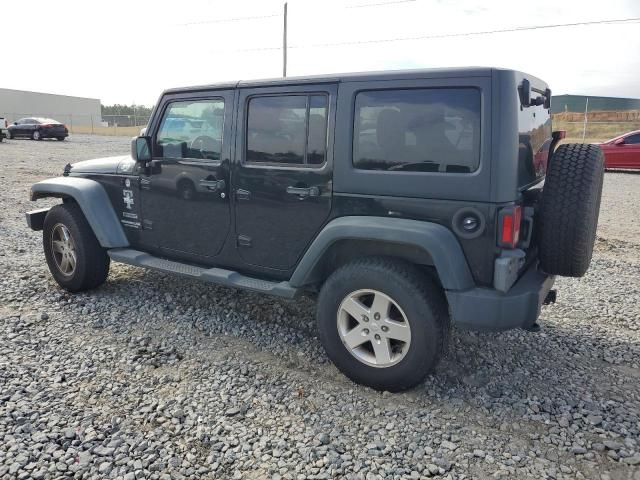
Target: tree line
point(117, 109)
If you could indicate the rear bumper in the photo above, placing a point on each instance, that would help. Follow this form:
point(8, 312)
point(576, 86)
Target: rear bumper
point(486, 309)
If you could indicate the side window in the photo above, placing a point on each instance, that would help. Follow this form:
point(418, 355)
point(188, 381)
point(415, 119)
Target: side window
point(632, 139)
point(421, 130)
point(191, 129)
point(287, 129)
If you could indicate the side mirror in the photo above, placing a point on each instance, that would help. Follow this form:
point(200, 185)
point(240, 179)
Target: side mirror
point(524, 90)
point(619, 141)
point(141, 149)
point(15, 123)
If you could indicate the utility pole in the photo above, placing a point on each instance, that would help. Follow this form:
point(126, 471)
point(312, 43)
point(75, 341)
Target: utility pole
point(284, 43)
point(584, 126)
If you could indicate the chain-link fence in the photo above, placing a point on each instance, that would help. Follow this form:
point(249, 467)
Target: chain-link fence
point(595, 126)
point(125, 125)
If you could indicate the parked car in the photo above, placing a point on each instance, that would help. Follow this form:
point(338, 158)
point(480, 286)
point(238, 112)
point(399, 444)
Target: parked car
point(622, 151)
point(4, 124)
point(38, 128)
point(407, 200)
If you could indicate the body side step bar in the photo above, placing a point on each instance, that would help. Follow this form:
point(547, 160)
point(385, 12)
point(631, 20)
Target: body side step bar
point(219, 276)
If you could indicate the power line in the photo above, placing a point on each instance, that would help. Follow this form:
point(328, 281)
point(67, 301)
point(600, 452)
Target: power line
point(365, 5)
point(450, 35)
point(260, 17)
point(234, 19)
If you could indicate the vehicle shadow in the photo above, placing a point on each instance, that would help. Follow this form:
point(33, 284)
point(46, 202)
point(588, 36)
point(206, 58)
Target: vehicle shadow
point(533, 376)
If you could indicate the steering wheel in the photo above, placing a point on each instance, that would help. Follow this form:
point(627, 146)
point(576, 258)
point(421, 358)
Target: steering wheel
point(205, 144)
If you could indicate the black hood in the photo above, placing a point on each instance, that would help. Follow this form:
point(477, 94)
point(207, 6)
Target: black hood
point(108, 165)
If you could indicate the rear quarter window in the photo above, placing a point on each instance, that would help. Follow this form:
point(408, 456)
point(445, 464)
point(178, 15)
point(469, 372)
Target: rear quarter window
point(534, 125)
point(417, 130)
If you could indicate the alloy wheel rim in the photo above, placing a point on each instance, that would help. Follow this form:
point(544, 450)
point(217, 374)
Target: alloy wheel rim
point(373, 328)
point(64, 250)
point(36, 135)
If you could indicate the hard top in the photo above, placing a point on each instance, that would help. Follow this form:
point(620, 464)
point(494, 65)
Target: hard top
point(456, 72)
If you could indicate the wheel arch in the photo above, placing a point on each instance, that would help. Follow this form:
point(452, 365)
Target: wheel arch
point(418, 242)
point(94, 203)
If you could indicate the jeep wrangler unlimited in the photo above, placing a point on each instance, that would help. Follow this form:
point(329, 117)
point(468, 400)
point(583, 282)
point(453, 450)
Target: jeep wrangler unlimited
point(408, 200)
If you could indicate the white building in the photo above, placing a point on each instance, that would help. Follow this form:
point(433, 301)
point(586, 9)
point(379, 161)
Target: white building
point(73, 111)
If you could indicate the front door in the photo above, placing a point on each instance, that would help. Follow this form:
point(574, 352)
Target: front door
point(283, 179)
point(184, 190)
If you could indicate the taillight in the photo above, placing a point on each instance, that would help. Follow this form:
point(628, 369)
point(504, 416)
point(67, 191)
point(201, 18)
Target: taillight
point(509, 226)
point(46, 126)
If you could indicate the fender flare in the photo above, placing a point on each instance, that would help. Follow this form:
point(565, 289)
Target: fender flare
point(94, 203)
point(434, 239)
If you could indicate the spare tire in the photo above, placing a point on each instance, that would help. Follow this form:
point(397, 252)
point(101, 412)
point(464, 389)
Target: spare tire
point(569, 209)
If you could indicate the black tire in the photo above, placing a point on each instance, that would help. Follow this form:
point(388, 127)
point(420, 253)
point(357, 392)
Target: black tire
point(569, 209)
point(91, 260)
point(419, 298)
point(60, 139)
point(36, 135)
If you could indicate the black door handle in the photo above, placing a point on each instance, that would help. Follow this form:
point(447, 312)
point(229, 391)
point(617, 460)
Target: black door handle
point(304, 192)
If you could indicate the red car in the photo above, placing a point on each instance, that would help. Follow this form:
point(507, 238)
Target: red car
point(622, 151)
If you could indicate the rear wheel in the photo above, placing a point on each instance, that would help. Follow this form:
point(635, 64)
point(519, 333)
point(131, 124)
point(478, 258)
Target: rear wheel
point(569, 209)
point(382, 322)
point(36, 135)
point(75, 258)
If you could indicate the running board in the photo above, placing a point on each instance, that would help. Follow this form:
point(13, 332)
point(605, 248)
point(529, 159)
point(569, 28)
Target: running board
point(219, 276)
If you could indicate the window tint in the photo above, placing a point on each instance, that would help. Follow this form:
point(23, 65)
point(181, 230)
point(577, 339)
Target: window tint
point(191, 129)
point(426, 130)
point(317, 138)
point(632, 139)
point(289, 129)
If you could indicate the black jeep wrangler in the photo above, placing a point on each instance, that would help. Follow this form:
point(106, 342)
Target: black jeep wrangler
point(408, 200)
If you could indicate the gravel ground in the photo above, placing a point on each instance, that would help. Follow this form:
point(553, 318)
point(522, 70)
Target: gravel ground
point(153, 376)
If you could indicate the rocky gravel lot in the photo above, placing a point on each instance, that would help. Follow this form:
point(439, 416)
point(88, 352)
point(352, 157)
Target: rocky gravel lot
point(153, 376)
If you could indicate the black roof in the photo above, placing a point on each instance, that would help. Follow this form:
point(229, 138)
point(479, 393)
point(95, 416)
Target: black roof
point(350, 77)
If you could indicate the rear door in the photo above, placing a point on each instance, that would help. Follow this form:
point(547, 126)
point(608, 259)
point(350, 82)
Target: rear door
point(184, 191)
point(283, 177)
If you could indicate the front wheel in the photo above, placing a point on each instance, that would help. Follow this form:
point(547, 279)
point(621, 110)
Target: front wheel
point(383, 322)
point(75, 258)
point(61, 139)
point(36, 135)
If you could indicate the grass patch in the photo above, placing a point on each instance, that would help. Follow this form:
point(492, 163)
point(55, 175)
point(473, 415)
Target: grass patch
point(595, 132)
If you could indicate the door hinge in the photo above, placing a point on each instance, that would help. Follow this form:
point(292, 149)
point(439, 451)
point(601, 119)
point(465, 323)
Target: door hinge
point(244, 241)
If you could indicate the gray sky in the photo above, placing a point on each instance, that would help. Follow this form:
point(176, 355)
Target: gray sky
point(125, 51)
